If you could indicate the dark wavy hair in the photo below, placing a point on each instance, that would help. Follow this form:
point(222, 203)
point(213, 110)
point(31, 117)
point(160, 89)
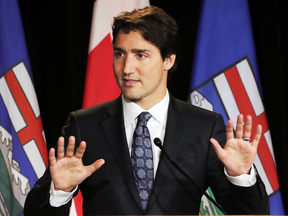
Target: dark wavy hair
point(155, 25)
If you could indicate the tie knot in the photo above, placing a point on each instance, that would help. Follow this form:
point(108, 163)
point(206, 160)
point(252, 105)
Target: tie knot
point(144, 117)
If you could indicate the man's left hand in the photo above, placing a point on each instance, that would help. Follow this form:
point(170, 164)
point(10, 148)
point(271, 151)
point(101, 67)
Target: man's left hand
point(239, 154)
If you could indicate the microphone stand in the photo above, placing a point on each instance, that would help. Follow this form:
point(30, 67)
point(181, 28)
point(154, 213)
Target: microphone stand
point(158, 143)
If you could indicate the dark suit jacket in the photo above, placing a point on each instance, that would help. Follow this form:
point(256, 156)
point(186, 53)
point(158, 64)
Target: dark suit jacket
point(112, 190)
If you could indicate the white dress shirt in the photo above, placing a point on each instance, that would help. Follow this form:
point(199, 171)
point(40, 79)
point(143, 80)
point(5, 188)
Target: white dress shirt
point(156, 124)
point(157, 127)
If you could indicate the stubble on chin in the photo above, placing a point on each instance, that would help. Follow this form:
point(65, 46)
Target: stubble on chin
point(128, 97)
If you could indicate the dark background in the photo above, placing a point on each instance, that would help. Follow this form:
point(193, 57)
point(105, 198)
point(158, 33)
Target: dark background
point(58, 32)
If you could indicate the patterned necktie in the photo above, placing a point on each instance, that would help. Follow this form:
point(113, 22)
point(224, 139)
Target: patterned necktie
point(142, 158)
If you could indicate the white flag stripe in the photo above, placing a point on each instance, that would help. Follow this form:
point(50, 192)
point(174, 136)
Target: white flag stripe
point(263, 175)
point(35, 158)
point(103, 13)
point(12, 108)
point(25, 81)
point(73, 209)
point(268, 139)
point(250, 86)
point(101, 23)
point(43, 134)
point(227, 97)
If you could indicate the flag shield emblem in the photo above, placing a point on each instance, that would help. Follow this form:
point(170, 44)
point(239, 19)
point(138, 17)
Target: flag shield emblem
point(22, 143)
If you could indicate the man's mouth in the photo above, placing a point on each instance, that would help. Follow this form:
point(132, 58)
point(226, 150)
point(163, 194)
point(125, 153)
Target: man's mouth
point(130, 82)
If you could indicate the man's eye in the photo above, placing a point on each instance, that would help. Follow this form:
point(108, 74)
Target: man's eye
point(118, 54)
point(141, 56)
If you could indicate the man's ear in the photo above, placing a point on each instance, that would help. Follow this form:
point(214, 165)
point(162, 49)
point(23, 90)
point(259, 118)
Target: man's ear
point(169, 62)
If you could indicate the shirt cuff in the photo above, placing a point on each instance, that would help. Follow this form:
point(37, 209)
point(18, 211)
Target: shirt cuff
point(245, 180)
point(59, 198)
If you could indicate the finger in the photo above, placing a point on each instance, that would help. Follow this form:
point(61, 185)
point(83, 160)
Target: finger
point(248, 127)
point(60, 148)
point(239, 127)
point(257, 136)
point(52, 158)
point(70, 147)
point(229, 130)
point(95, 166)
point(80, 150)
point(217, 147)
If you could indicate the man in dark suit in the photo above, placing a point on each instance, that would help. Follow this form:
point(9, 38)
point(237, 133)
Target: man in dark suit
point(137, 179)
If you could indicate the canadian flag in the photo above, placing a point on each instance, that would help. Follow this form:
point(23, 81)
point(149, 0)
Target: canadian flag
point(100, 85)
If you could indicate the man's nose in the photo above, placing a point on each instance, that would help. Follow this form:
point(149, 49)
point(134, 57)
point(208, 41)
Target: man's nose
point(129, 65)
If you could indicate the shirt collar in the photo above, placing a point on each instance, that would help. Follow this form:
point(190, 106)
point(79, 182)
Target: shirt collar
point(158, 111)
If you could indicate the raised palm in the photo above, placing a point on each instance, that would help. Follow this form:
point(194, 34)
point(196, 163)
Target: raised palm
point(238, 155)
point(67, 170)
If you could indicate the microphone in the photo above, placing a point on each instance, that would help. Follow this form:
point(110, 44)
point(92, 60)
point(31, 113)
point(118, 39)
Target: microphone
point(158, 143)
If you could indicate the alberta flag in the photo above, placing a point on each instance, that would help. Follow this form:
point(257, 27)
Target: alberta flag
point(23, 152)
point(225, 79)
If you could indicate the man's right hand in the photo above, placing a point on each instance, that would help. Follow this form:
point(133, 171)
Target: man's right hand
point(67, 170)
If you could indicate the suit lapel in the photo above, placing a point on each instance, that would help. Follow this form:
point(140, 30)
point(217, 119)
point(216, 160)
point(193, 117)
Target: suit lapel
point(174, 131)
point(118, 144)
point(116, 136)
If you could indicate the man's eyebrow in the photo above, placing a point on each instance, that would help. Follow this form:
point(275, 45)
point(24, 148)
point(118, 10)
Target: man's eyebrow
point(133, 50)
point(118, 49)
point(140, 50)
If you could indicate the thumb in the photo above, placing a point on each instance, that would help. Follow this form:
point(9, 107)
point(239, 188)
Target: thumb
point(218, 149)
point(95, 166)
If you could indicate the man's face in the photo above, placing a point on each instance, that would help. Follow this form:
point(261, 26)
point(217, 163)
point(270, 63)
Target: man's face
point(139, 69)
